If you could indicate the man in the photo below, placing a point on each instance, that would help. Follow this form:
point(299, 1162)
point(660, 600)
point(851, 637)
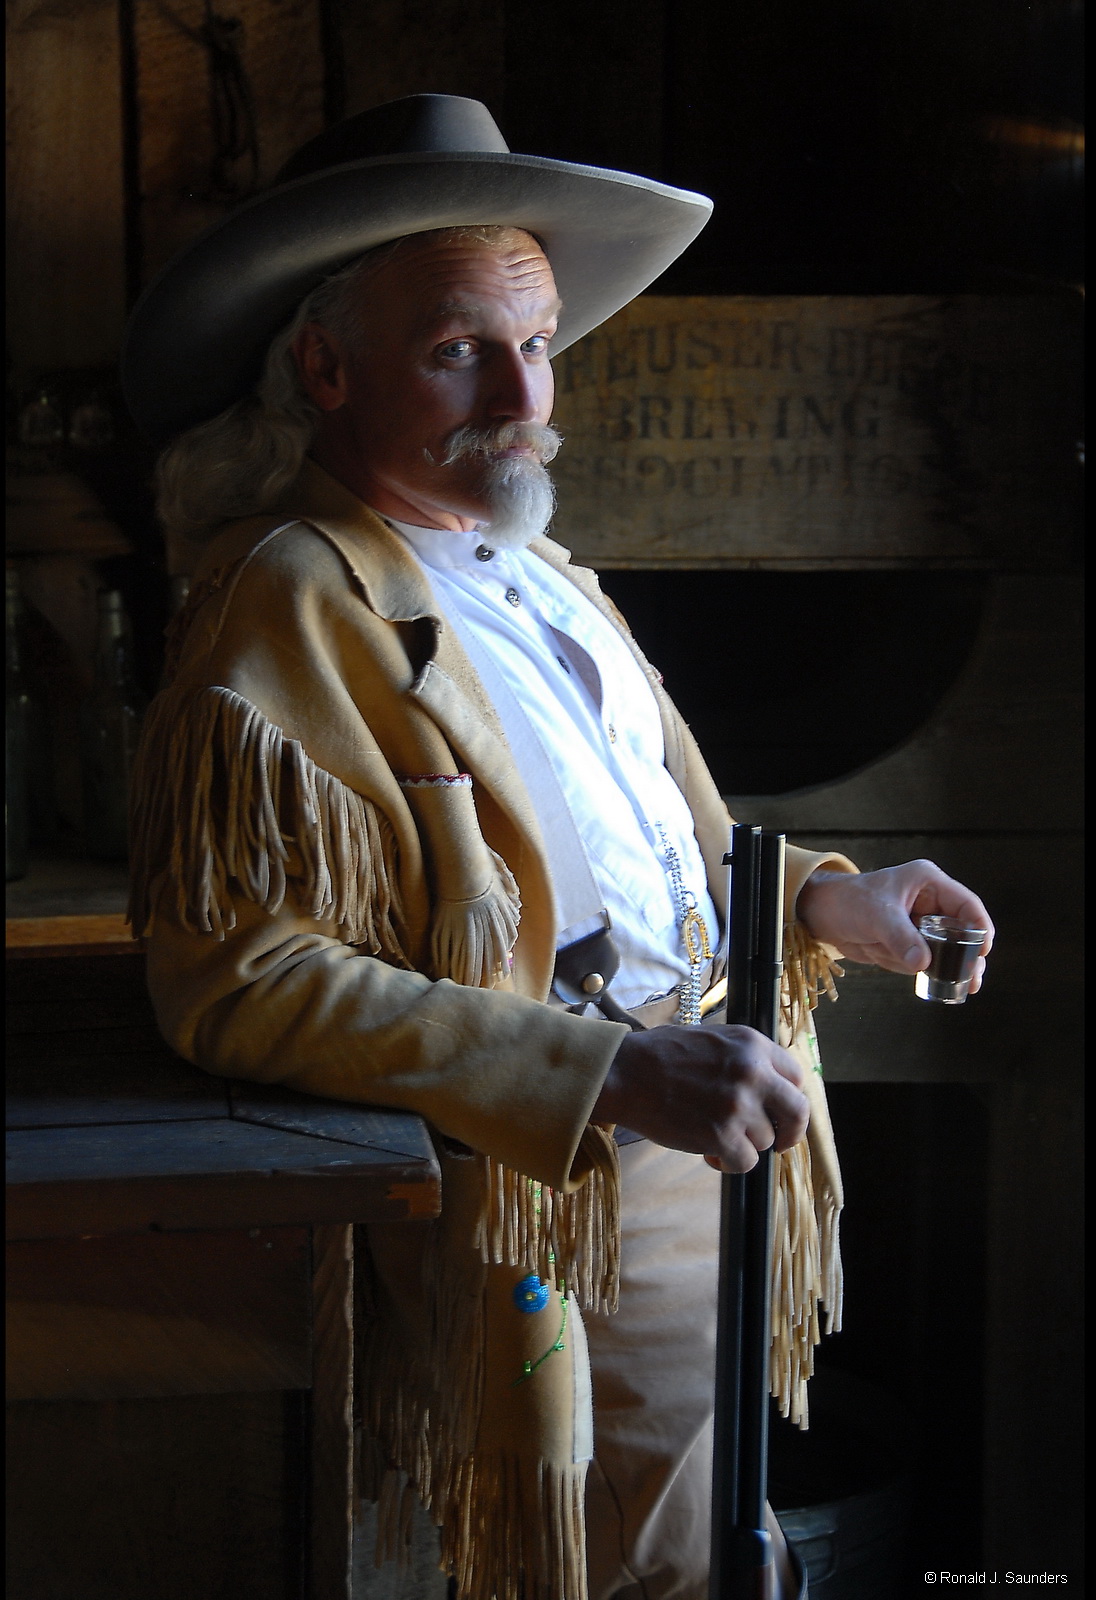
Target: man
point(407, 760)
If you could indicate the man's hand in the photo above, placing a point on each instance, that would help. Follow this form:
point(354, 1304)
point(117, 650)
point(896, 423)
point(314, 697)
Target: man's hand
point(873, 916)
point(722, 1092)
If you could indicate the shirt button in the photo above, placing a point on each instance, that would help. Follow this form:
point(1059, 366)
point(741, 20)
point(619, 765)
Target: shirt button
point(611, 731)
point(513, 597)
point(564, 665)
point(483, 553)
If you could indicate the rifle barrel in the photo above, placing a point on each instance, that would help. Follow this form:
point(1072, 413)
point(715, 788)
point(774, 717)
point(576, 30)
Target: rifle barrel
point(741, 1564)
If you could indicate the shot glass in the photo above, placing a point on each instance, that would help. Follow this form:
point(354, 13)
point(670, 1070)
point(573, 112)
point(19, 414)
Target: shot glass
point(954, 949)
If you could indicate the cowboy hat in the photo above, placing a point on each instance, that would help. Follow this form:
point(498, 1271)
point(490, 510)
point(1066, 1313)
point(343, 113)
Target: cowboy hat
point(197, 337)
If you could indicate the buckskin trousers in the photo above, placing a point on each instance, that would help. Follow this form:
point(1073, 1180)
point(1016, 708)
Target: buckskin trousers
point(653, 1368)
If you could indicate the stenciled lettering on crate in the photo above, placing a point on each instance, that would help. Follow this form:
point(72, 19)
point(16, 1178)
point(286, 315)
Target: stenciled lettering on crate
point(858, 431)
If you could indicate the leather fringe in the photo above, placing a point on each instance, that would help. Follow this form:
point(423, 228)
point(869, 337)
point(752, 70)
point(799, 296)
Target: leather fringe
point(520, 1529)
point(571, 1240)
point(807, 1277)
point(471, 940)
point(808, 975)
point(510, 1529)
point(220, 794)
point(809, 971)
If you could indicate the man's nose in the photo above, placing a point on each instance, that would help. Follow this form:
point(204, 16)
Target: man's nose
point(515, 394)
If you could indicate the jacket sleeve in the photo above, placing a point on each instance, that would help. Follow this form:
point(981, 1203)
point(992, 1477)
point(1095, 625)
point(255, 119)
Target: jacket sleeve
point(282, 999)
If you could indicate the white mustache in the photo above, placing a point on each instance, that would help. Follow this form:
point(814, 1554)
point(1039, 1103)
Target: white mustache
point(468, 442)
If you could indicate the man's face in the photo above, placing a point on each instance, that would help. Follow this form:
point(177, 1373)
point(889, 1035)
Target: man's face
point(454, 337)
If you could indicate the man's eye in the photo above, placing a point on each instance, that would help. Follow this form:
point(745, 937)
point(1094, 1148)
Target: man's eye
point(456, 350)
point(537, 345)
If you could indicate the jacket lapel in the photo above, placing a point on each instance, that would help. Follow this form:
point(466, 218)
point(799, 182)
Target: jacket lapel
point(394, 586)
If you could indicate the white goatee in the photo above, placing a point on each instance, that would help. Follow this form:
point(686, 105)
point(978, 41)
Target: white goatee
point(521, 497)
point(518, 490)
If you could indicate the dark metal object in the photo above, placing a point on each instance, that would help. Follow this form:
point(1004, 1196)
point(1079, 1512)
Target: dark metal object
point(742, 1555)
point(584, 971)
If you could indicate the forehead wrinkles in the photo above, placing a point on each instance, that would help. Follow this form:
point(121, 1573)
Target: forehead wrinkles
point(437, 279)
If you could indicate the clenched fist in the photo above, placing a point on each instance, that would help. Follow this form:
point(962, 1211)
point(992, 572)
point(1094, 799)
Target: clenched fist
point(723, 1092)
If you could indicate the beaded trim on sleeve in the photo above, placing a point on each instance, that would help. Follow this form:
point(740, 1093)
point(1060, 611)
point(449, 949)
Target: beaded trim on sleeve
point(435, 780)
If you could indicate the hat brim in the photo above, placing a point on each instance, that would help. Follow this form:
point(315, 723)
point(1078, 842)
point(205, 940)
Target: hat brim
point(197, 337)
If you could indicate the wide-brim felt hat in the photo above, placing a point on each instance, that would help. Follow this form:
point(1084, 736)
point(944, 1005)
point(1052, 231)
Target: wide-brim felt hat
point(197, 337)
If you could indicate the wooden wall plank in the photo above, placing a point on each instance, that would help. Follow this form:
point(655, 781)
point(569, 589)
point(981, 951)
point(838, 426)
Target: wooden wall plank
point(802, 431)
point(61, 1083)
point(37, 976)
point(270, 1179)
point(400, 1132)
point(281, 55)
point(331, 1537)
point(159, 1314)
point(65, 250)
point(390, 48)
point(98, 930)
point(217, 1148)
point(99, 1020)
point(189, 1498)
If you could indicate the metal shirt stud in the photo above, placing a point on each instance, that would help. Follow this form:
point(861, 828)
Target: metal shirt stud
point(513, 597)
point(611, 731)
point(593, 983)
point(484, 553)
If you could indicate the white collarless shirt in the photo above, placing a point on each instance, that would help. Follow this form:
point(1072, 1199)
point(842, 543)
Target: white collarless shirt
point(592, 710)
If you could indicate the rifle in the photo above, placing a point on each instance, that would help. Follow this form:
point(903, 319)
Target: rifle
point(742, 1555)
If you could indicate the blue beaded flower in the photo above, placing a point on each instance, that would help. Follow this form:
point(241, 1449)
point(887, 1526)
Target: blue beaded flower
point(531, 1295)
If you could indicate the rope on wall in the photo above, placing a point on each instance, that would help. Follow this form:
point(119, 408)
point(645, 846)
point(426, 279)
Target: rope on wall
point(231, 103)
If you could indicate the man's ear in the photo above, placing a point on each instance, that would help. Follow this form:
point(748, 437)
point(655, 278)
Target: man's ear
point(320, 365)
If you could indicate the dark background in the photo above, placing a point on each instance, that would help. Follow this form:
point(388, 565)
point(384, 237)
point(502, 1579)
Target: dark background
point(851, 148)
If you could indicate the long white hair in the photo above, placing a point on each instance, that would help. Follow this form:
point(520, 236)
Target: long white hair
point(241, 461)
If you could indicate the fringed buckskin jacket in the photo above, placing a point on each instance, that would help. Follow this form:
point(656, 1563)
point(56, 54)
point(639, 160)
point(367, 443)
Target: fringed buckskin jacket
point(310, 922)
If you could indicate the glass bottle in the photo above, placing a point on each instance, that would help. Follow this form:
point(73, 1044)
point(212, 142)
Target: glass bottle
point(16, 736)
point(40, 422)
point(110, 725)
point(91, 424)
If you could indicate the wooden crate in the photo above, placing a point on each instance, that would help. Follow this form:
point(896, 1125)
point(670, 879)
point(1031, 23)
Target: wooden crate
point(824, 430)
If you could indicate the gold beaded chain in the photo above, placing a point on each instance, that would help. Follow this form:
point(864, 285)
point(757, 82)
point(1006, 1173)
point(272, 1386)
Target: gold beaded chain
point(694, 932)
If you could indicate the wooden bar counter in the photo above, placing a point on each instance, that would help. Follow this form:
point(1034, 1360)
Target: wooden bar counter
point(179, 1295)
